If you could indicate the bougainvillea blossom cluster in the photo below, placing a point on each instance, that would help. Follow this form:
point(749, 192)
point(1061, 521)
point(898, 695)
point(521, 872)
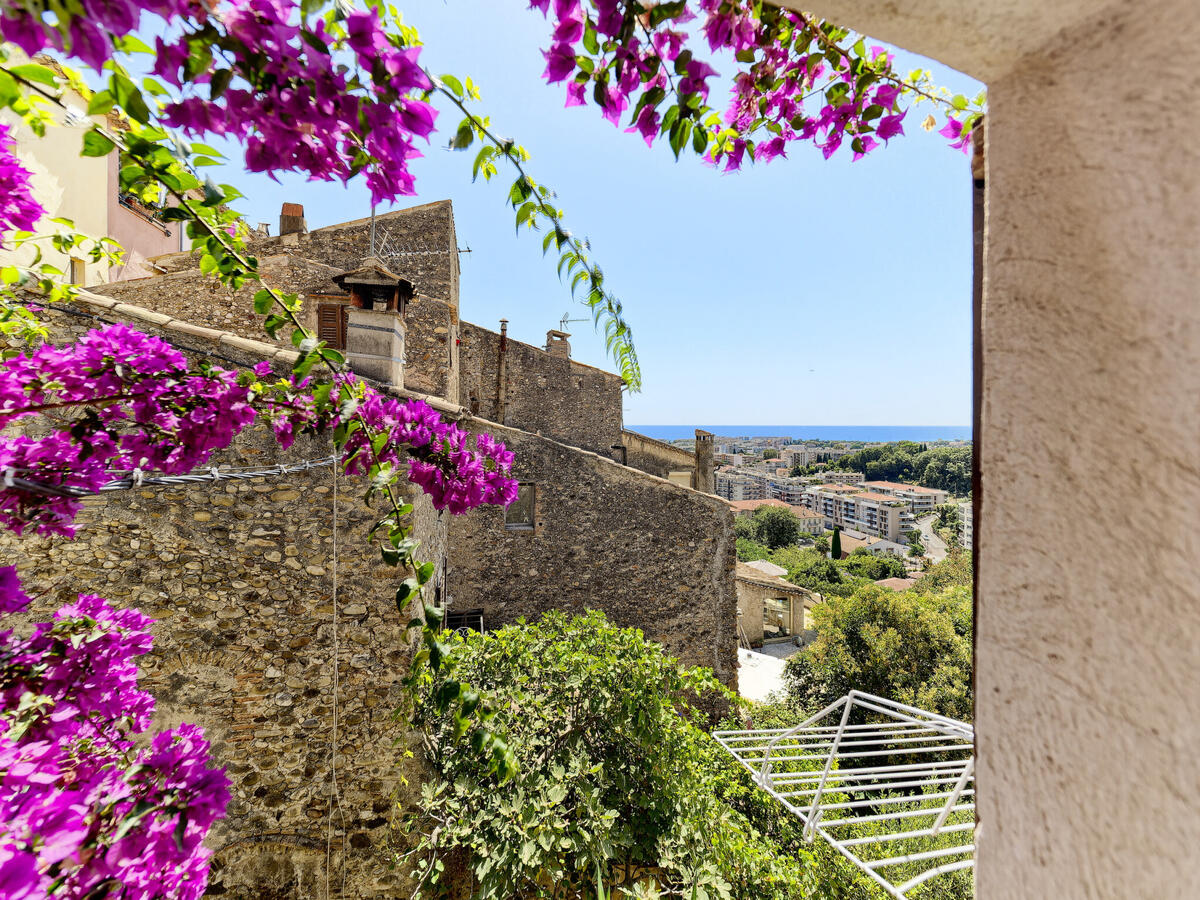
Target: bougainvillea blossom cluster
point(795, 81)
point(140, 408)
point(263, 72)
point(294, 108)
point(84, 810)
point(19, 211)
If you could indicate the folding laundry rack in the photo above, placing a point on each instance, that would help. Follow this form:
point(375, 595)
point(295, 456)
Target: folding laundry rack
point(890, 786)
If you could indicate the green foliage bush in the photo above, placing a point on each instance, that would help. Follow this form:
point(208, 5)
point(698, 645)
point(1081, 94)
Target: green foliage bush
point(749, 550)
point(772, 526)
point(909, 646)
point(615, 766)
point(944, 468)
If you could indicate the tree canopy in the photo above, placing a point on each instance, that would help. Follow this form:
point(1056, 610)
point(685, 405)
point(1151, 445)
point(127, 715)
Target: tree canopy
point(910, 646)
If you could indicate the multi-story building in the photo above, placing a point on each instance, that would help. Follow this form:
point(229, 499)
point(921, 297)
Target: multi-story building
point(966, 525)
point(742, 485)
point(847, 506)
point(920, 499)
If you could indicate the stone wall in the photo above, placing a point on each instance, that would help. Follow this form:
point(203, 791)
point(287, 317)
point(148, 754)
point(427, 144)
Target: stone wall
point(190, 296)
point(656, 457)
point(418, 243)
point(646, 552)
point(239, 576)
point(543, 393)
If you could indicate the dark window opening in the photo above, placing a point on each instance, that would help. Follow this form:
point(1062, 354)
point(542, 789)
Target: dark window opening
point(519, 516)
point(464, 619)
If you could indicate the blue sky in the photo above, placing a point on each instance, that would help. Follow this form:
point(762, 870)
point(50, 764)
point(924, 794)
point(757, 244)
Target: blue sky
point(802, 292)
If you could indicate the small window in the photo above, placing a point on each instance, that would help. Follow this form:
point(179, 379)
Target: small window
point(78, 272)
point(777, 617)
point(331, 325)
point(464, 620)
point(519, 516)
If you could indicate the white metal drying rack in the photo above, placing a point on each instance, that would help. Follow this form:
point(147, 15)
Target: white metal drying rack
point(904, 769)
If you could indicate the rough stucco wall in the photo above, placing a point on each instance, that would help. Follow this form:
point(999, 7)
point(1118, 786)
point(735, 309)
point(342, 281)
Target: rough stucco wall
point(647, 553)
point(239, 578)
point(1091, 340)
point(656, 457)
point(551, 395)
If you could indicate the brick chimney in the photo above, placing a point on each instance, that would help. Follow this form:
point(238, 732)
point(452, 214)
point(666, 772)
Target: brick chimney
point(375, 328)
point(557, 344)
point(291, 219)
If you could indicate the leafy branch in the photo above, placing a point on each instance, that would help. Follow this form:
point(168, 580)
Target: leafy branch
point(534, 209)
point(202, 206)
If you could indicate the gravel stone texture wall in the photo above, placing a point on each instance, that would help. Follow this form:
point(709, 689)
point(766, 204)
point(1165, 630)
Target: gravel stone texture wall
point(542, 393)
point(648, 553)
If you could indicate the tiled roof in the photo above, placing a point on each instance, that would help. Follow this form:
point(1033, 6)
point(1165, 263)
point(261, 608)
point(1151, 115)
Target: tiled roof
point(900, 486)
point(755, 504)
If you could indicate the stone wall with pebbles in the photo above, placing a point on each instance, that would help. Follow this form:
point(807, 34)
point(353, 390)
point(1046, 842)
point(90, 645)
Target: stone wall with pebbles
point(240, 578)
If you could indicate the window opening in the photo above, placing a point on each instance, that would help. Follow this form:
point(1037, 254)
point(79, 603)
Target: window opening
point(331, 325)
point(464, 620)
point(777, 617)
point(519, 516)
point(78, 272)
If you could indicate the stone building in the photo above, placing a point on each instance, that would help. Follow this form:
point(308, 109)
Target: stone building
point(251, 598)
point(770, 609)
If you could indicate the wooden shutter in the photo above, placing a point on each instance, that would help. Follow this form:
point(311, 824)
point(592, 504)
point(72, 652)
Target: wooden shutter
point(331, 324)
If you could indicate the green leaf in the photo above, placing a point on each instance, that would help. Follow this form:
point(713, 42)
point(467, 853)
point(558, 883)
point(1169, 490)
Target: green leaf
point(96, 144)
point(263, 301)
point(958, 101)
point(453, 84)
point(219, 82)
point(36, 73)
point(591, 41)
point(100, 104)
point(129, 98)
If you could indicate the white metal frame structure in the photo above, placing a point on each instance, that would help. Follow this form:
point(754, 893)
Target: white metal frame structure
point(892, 789)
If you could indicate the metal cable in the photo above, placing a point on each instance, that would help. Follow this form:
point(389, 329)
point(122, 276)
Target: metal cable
point(137, 478)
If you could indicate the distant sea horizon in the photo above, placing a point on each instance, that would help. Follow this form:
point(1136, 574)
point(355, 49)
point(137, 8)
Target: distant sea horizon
point(866, 433)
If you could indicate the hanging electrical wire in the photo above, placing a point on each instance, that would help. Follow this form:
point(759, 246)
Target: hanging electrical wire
point(14, 478)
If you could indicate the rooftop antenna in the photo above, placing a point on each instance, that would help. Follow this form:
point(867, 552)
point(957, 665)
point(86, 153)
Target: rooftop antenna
point(565, 320)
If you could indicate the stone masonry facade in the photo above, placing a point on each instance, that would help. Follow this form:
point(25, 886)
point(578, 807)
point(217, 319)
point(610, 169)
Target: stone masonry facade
point(240, 575)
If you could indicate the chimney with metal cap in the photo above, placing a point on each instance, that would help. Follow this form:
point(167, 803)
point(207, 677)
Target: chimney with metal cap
point(375, 328)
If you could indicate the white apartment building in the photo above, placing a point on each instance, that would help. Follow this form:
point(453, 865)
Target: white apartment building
point(966, 527)
point(742, 486)
point(851, 507)
point(921, 500)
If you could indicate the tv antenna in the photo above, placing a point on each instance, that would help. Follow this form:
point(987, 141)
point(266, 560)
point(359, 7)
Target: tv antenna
point(566, 320)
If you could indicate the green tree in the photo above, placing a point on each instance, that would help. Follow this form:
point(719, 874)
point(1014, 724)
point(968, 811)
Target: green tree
point(776, 526)
point(953, 571)
point(874, 568)
point(749, 550)
point(907, 646)
point(915, 546)
point(835, 543)
point(615, 765)
point(770, 453)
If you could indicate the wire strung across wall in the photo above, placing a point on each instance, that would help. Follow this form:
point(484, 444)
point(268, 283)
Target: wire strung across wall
point(137, 478)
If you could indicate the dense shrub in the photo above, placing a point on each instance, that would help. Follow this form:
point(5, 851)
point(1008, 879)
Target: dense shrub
point(615, 766)
point(907, 646)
